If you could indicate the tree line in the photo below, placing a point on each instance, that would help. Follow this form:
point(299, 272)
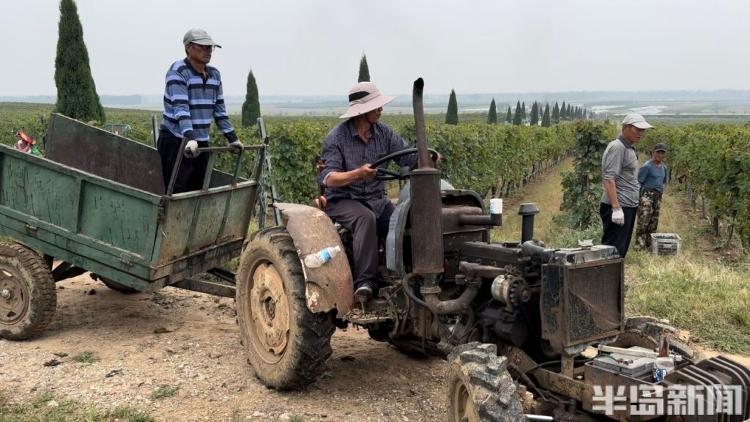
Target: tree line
point(77, 96)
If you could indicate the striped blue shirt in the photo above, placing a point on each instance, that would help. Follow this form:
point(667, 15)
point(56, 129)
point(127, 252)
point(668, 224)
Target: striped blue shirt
point(191, 102)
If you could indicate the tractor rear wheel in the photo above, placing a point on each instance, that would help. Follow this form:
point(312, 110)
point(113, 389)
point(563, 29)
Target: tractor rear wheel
point(286, 344)
point(480, 387)
point(27, 293)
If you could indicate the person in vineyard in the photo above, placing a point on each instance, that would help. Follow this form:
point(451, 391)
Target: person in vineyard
point(652, 176)
point(192, 98)
point(619, 203)
point(352, 196)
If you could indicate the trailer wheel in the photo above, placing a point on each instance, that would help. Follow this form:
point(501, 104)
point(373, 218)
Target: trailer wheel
point(118, 287)
point(286, 344)
point(27, 293)
point(480, 387)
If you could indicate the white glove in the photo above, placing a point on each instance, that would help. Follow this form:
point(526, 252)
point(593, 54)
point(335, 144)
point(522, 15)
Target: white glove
point(618, 217)
point(236, 146)
point(191, 149)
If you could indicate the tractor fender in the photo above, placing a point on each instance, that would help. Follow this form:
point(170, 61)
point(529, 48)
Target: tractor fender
point(330, 285)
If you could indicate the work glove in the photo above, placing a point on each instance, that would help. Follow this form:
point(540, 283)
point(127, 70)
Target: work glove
point(191, 149)
point(618, 217)
point(236, 147)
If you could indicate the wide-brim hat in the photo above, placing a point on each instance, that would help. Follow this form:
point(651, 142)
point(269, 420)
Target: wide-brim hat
point(363, 98)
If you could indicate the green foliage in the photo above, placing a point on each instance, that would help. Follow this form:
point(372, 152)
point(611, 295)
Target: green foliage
point(715, 160)
point(523, 111)
point(518, 116)
point(85, 357)
point(534, 119)
point(564, 111)
point(492, 115)
point(556, 114)
point(76, 91)
point(451, 116)
point(582, 188)
point(493, 158)
point(509, 116)
point(545, 117)
point(251, 106)
point(364, 70)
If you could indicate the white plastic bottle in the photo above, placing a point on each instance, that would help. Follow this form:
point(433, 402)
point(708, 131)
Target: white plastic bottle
point(315, 260)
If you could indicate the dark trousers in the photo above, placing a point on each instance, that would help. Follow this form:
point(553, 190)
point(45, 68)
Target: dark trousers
point(192, 170)
point(366, 221)
point(614, 235)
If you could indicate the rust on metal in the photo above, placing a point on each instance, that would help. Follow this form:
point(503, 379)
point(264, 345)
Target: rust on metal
point(270, 309)
point(328, 286)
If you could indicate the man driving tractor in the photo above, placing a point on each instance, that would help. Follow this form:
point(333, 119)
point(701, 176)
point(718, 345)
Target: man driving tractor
point(353, 196)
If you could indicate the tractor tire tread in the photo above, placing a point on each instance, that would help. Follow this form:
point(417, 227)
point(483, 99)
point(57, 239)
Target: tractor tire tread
point(43, 296)
point(491, 388)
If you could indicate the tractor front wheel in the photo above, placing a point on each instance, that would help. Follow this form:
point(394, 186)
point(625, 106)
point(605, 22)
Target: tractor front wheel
point(480, 387)
point(286, 344)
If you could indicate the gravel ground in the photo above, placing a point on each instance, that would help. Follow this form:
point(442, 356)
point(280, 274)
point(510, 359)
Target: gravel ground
point(176, 354)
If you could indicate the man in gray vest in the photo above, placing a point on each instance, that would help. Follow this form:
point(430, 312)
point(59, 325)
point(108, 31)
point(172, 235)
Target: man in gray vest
point(619, 203)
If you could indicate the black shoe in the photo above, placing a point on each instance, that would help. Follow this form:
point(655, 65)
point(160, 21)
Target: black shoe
point(364, 292)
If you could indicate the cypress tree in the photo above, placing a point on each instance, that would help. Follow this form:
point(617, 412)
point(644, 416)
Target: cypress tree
point(564, 112)
point(569, 113)
point(76, 91)
point(556, 114)
point(523, 111)
point(534, 119)
point(451, 117)
point(251, 106)
point(364, 70)
point(492, 116)
point(545, 117)
point(517, 117)
point(509, 116)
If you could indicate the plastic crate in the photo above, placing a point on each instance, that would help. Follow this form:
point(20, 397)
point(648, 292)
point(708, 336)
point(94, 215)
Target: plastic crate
point(665, 243)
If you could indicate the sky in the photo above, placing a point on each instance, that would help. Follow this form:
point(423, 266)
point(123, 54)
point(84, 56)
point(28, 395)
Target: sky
point(309, 47)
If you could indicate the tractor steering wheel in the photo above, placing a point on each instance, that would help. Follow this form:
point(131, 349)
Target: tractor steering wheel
point(383, 174)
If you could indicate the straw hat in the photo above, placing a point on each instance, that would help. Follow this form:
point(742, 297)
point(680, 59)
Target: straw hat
point(365, 97)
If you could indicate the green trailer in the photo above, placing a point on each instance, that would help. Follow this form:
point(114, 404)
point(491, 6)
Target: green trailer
point(97, 202)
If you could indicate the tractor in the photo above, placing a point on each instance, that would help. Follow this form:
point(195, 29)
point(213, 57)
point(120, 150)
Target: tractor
point(531, 332)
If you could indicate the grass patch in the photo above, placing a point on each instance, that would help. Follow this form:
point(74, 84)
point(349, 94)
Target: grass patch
point(49, 408)
point(164, 391)
point(710, 300)
point(85, 357)
point(127, 413)
point(295, 418)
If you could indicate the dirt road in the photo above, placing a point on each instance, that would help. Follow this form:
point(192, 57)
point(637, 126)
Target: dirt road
point(176, 338)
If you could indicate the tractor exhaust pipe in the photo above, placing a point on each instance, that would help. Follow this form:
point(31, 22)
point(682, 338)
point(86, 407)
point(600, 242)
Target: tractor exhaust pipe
point(426, 202)
point(527, 211)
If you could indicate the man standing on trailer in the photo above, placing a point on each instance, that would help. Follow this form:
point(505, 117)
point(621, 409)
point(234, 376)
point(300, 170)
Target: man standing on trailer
point(652, 176)
point(619, 202)
point(192, 98)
